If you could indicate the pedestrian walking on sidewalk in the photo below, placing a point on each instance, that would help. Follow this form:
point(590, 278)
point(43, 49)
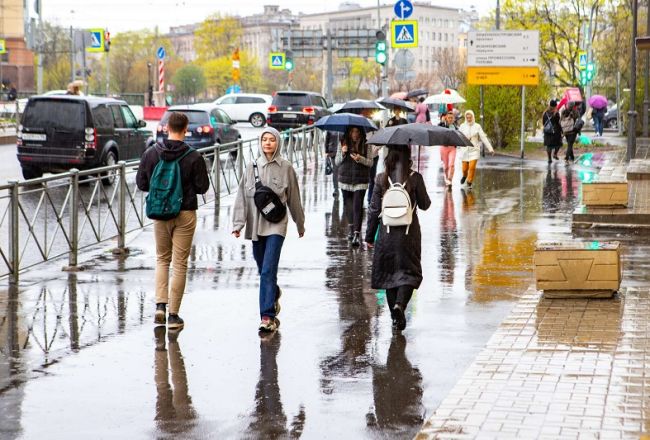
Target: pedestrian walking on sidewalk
point(332, 140)
point(422, 112)
point(571, 124)
point(354, 159)
point(448, 152)
point(268, 235)
point(598, 114)
point(397, 265)
point(469, 156)
point(173, 237)
point(552, 130)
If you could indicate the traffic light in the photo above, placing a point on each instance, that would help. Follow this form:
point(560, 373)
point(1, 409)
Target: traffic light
point(107, 41)
point(288, 61)
point(591, 71)
point(380, 48)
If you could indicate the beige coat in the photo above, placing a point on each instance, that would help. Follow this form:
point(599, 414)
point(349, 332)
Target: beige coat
point(474, 132)
point(279, 175)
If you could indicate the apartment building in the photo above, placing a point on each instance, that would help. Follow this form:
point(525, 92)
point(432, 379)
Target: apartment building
point(18, 62)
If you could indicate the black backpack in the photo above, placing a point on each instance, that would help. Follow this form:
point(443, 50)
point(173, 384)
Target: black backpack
point(548, 125)
point(267, 201)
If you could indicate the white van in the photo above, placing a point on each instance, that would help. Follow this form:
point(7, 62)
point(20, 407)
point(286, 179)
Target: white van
point(243, 107)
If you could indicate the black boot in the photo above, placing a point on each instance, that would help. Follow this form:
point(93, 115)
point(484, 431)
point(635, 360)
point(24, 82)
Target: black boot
point(350, 232)
point(356, 241)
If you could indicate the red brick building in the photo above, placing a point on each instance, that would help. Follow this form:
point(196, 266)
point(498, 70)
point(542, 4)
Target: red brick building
point(18, 62)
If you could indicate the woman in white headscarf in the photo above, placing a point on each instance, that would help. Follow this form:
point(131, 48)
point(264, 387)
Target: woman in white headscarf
point(470, 155)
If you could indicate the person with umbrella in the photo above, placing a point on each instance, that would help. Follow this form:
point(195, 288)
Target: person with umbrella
point(448, 152)
point(397, 265)
point(469, 156)
point(599, 105)
point(354, 159)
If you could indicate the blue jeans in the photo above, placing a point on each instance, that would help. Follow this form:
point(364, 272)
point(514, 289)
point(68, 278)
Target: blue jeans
point(598, 124)
point(266, 251)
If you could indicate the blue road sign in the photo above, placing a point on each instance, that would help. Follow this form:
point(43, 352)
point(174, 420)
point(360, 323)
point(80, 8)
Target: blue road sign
point(233, 89)
point(404, 34)
point(161, 53)
point(403, 9)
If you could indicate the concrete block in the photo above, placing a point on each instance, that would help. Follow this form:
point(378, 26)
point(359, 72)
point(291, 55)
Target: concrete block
point(568, 269)
point(605, 193)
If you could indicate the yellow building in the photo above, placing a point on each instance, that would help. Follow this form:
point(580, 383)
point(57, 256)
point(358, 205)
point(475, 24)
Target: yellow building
point(18, 62)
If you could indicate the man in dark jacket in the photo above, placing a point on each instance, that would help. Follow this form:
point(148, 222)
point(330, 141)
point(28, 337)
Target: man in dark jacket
point(174, 237)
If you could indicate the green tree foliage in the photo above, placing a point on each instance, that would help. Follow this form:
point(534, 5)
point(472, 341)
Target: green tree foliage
point(356, 72)
point(217, 37)
point(189, 83)
point(559, 23)
point(502, 109)
point(130, 52)
point(56, 56)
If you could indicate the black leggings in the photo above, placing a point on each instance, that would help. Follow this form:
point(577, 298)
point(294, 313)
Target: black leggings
point(570, 140)
point(399, 295)
point(353, 205)
point(553, 149)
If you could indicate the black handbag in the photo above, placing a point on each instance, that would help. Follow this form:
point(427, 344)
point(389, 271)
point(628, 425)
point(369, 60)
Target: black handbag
point(267, 201)
point(328, 166)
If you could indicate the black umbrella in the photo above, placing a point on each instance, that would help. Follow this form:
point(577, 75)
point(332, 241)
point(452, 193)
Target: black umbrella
point(417, 92)
point(418, 134)
point(358, 105)
point(341, 121)
point(394, 103)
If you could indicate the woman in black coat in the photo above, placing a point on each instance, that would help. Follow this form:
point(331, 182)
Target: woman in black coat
point(552, 139)
point(397, 265)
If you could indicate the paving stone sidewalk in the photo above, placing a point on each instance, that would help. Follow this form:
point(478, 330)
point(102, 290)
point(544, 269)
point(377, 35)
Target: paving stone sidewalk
point(556, 368)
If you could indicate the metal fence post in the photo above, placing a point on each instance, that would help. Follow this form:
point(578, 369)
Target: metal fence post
point(316, 146)
point(290, 147)
point(121, 236)
point(74, 220)
point(14, 236)
point(303, 147)
point(18, 114)
point(216, 175)
point(240, 158)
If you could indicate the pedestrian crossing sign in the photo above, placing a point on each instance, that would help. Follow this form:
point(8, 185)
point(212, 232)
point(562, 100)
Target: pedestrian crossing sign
point(404, 33)
point(582, 60)
point(96, 40)
point(3, 46)
point(277, 60)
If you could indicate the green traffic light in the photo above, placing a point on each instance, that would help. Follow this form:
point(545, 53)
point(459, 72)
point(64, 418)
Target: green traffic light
point(381, 57)
point(288, 64)
point(380, 52)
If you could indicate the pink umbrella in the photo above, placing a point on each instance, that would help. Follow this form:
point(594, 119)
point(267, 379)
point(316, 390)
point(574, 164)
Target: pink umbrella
point(598, 101)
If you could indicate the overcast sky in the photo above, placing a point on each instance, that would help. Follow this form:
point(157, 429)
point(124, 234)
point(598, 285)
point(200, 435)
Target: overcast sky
point(120, 15)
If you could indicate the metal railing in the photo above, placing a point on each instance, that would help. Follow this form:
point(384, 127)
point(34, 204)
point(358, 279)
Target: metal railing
point(50, 217)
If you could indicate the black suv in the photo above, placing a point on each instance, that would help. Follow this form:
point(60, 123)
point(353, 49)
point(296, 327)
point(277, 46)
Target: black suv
point(62, 132)
point(292, 109)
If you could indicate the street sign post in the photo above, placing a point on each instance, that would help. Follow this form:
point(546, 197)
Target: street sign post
point(404, 59)
point(277, 60)
point(582, 60)
point(96, 40)
point(403, 9)
point(404, 33)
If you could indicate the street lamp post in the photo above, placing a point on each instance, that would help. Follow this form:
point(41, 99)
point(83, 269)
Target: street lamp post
point(149, 85)
point(631, 114)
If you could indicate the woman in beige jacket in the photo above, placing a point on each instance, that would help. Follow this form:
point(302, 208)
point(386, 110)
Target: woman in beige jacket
point(279, 175)
point(470, 155)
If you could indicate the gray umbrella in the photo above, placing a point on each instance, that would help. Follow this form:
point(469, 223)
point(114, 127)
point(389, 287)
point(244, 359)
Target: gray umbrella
point(417, 92)
point(358, 105)
point(418, 134)
point(394, 103)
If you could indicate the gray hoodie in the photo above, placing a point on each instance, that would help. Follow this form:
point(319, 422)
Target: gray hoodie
point(279, 175)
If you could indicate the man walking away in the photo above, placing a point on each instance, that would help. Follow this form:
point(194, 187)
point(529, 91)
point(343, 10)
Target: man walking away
point(174, 236)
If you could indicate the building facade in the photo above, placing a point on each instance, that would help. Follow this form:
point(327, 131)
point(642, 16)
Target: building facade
point(18, 63)
point(182, 40)
point(262, 32)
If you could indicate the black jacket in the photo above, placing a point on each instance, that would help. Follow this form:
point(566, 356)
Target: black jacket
point(397, 256)
point(555, 139)
point(332, 140)
point(194, 174)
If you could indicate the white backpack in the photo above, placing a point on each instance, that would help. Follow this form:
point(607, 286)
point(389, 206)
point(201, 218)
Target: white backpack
point(396, 207)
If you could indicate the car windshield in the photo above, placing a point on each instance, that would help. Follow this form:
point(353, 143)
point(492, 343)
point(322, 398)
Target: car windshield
point(290, 99)
point(58, 114)
point(196, 117)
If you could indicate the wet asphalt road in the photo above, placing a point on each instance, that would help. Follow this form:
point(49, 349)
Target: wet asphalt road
point(79, 357)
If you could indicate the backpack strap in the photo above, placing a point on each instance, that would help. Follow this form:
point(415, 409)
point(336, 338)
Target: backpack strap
point(256, 172)
point(189, 150)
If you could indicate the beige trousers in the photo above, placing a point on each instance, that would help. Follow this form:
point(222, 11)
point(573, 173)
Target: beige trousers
point(173, 245)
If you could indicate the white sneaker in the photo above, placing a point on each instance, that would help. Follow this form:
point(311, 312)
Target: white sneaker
point(447, 182)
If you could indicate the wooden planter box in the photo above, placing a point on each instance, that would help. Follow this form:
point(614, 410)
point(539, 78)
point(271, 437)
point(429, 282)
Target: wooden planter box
point(578, 270)
point(605, 193)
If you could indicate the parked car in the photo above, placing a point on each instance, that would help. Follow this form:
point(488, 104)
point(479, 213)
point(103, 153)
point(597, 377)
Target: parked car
point(62, 132)
point(292, 109)
point(610, 120)
point(245, 107)
point(209, 125)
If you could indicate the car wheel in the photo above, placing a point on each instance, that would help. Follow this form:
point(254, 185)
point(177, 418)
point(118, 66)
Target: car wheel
point(612, 123)
point(108, 178)
point(32, 173)
point(257, 120)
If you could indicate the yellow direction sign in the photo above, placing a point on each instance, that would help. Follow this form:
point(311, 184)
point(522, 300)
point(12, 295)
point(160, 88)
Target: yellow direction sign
point(503, 76)
point(277, 60)
point(3, 46)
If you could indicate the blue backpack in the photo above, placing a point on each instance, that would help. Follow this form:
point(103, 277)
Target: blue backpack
point(165, 189)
